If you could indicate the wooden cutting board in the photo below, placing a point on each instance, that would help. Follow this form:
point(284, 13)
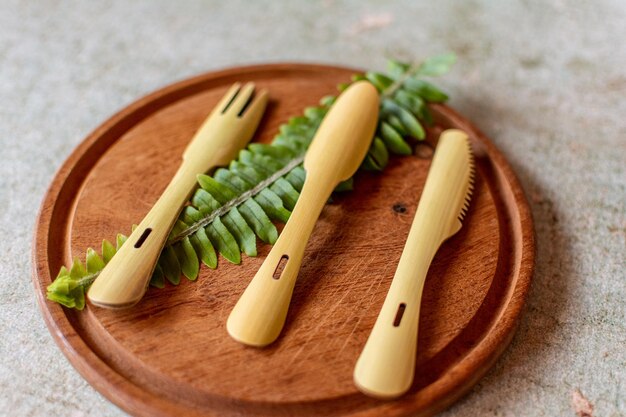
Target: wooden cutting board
point(171, 356)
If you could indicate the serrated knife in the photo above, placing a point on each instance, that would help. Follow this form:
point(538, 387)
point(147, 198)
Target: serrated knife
point(386, 366)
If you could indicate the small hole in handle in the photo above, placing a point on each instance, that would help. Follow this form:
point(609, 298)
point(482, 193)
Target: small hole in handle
point(143, 238)
point(280, 267)
point(399, 314)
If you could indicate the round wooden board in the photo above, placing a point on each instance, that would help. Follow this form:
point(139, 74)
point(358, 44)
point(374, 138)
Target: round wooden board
point(171, 356)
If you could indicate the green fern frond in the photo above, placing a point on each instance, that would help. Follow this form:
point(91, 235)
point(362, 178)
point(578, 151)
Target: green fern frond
point(241, 202)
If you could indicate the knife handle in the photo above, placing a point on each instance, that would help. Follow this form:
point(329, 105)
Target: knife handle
point(125, 278)
point(386, 366)
point(259, 315)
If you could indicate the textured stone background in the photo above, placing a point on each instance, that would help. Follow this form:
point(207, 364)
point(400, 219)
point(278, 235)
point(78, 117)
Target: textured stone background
point(545, 80)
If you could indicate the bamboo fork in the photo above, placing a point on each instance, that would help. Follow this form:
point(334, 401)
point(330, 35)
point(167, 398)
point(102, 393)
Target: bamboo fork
point(386, 366)
point(229, 127)
point(339, 146)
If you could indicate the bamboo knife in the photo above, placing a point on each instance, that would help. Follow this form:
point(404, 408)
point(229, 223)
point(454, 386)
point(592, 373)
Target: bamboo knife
point(338, 148)
point(386, 365)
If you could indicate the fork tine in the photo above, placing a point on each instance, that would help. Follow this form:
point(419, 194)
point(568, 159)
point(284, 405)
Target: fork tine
point(241, 100)
point(228, 98)
point(256, 108)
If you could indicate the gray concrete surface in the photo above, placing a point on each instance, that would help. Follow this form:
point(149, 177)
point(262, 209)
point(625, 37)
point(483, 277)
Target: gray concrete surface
point(545, 80)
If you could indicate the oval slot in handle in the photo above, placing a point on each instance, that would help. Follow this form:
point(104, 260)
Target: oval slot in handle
point(399, 314)
point(143, 238)
point(280, 267)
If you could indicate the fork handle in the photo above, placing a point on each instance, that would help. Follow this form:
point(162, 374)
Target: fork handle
point(126, 277)
point(258, 317)
point(386, 366)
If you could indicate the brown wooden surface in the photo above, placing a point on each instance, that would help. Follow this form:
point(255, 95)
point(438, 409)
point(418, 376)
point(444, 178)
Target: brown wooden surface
point(170, 354)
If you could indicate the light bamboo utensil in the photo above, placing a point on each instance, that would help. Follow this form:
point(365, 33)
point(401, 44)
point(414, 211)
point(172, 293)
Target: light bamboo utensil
point(229, 127)
point(386, 366)
point(337, 150)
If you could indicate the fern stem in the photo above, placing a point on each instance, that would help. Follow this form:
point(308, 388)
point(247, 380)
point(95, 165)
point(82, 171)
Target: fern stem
point(413, 69)
point(87, 280)
point(238, 200)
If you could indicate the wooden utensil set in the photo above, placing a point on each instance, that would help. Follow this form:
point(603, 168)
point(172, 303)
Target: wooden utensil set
point(386, 366)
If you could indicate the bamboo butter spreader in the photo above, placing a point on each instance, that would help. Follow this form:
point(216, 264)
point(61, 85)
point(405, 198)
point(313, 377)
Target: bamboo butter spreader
point(229, 127)
point(338, 148)
point(386, 366)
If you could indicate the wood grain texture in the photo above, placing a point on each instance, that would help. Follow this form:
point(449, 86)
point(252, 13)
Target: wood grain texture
point(170, 354)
